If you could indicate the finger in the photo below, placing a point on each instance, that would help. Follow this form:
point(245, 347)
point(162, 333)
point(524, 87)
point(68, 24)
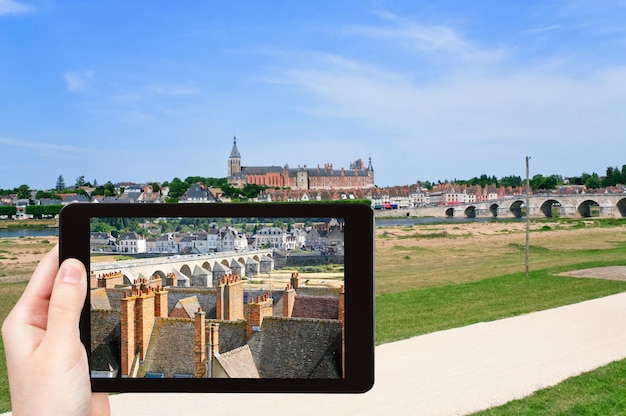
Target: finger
point(32, 307)
point(66, 302)
point(100, 404)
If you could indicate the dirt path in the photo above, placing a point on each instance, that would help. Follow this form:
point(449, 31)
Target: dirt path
point(609, 273)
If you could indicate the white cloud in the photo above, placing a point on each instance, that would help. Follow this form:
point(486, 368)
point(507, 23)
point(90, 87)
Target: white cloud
point(13, 7)
point(173, 89)
point(497, 118)
point(49, 149)
point(544, 29)
point(78, 81)
point(430, 39)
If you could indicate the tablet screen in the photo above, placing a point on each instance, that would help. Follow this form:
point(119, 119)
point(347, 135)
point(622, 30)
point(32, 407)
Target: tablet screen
point(217, 297)
point(237, 297)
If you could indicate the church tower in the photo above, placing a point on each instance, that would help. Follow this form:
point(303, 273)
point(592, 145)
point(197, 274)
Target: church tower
point(234, 160)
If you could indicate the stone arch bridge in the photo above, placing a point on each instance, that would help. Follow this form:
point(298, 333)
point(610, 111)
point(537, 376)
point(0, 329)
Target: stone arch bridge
point(541, 206)
point(189, 270)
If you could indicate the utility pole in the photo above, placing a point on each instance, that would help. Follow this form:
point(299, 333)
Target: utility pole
point(527, 215)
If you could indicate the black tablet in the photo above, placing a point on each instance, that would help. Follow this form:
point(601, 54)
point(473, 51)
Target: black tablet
point(245, 297)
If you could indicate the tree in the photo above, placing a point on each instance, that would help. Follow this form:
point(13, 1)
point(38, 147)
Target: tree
point(593, 181)
point(177, 188)
point(108, 189)
point(155, 187)
point(60, 183)
point(23, 192)
point(512, 181)
point(80, 181)
point(8, 210)
point(35, 210)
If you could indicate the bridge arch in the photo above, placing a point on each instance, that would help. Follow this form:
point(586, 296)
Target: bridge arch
point(470, 212)
point(493, 208)
point(225, 263)
point(206, 265)
point(586, 208)
point(186, 270)
point(547, 208)
point(450, 212)
point(621, 207)
point(516, 208)
point(159, 273)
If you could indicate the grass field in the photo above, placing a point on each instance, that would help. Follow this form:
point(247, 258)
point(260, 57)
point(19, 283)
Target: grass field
point(598, 392)
point(440, 276)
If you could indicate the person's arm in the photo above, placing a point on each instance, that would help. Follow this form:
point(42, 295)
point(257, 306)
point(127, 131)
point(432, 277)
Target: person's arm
point(46, 361)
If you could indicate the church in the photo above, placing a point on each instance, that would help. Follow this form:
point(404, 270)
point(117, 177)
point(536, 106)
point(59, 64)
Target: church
point(357, 176)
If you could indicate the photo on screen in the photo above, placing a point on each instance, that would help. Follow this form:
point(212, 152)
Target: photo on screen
point(224, 297)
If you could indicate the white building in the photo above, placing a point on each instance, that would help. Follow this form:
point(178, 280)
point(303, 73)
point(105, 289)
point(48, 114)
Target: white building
point(131, 242)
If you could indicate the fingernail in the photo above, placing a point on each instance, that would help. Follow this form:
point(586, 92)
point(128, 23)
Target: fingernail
point(70, 273)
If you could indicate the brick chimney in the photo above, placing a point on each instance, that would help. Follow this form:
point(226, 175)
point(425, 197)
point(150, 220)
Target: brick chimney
point(127, 318)
point(199, 344)
point(213, 339)
point(256, 310)
point(171, 280)
point(295, 280)
point(160, 303)
point(341, 307)
point(136, 323)
point(144, 320)
point(343, 330)
point(289, 297)
point(229, 298)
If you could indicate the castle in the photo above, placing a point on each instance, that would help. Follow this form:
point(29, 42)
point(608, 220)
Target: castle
point(358, 176)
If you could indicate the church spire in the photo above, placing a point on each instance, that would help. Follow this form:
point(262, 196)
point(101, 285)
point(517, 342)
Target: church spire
point(235, 153)
point(369, 165)
point(234, 160)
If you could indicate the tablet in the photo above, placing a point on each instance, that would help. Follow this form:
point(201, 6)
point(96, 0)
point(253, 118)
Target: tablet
point(242, 297)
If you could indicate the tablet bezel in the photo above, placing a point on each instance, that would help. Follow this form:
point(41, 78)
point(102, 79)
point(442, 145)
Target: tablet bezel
point(74, 234)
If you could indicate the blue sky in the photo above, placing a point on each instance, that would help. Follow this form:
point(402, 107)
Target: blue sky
point(430, 90)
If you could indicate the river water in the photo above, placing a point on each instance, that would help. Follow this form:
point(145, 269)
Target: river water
point(380, 222)
point(387, 222)
point(28, 232)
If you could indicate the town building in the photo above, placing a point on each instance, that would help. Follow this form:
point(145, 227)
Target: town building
point(357, 176)
point(215, 333)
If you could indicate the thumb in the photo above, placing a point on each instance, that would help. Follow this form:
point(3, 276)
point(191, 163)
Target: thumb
point(66, 303)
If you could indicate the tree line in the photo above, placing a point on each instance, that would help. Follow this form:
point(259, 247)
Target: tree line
point(177, 187)
point(614, 176)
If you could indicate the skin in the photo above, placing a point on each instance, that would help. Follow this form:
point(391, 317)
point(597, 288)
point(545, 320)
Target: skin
point(46, 361)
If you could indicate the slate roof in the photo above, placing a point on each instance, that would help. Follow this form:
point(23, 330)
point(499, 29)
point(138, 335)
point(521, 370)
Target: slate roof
point(99, 299)
point(105, 339)
point(235, 152)
point(188, 305)
point(238, 363)
point(323, 307)
point(171, 348)
point(261, 170)
point(297, 348)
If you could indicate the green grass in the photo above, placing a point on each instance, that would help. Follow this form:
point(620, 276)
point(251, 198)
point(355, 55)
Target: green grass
point(471, 283)
point(421, 311)
point(598, 392)
point(9, 294)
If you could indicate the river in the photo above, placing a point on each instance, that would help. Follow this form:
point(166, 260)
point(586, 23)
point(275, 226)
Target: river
point(387, 222)
point(28, 232)
point(380, 222)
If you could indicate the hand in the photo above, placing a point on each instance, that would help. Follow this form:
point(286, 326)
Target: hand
point(46, 361)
